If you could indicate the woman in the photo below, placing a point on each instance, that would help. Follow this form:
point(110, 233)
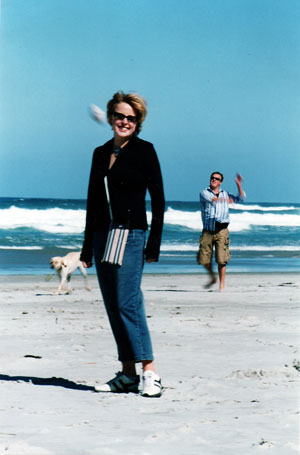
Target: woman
point(132, 168)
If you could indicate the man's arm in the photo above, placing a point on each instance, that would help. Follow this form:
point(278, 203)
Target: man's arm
point(242, 195)
point(238, 181)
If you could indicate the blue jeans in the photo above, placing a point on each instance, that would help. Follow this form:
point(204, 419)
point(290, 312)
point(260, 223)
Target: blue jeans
point(123, 297)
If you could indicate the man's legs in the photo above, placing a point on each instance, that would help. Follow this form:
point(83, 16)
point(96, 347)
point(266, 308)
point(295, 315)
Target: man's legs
point(213, 278)
point(222, 272)
point(204, 256)
point(222, 254)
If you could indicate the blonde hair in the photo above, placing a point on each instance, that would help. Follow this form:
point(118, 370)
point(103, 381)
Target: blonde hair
point(136, 101)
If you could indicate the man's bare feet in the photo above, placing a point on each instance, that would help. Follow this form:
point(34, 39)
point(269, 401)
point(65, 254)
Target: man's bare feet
point(212, 281)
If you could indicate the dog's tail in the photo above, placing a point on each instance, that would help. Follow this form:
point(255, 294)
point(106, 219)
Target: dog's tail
point(48, 277)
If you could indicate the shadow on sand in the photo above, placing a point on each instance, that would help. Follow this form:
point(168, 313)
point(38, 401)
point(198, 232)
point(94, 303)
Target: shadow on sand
point(57, 382)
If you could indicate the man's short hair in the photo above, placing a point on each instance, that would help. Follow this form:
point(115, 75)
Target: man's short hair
point(217, 172)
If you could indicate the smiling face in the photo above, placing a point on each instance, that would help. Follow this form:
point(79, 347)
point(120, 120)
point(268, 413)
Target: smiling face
point(123, 125)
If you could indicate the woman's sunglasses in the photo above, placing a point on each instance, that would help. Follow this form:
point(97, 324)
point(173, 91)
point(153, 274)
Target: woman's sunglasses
point(119, 116)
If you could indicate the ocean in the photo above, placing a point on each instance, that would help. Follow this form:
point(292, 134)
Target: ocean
point(264, 237)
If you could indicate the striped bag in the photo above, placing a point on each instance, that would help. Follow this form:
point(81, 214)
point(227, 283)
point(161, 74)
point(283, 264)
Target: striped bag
point(116, 239)
point(115, 244)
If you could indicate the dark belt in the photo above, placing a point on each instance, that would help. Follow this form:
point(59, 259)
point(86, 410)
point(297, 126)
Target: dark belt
point(220, 226)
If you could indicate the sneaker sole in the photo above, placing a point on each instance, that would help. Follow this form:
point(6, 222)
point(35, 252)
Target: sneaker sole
point(157, 395)
point(116, 391)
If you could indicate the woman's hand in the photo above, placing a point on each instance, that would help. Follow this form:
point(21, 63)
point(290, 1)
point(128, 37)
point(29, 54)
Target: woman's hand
point(87, 265)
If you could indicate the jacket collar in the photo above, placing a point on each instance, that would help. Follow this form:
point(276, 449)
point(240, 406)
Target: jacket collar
point(211, 191)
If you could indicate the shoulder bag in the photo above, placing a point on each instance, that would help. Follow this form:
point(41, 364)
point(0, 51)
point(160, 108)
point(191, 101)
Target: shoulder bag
point(116, 239)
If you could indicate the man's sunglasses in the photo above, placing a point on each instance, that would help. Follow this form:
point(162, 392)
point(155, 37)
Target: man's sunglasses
point(216, 178)
point(119, 116)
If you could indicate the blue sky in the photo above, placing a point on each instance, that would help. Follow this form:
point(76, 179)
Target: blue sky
point(221, 78)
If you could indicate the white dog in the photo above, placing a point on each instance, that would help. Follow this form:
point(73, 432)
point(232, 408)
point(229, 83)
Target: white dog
point(65, 266)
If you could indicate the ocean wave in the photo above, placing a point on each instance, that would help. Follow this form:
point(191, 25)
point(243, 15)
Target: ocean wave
point(265, 248)
point(29, 248)
point(165, 247)
point(191, 220)
point(55, 220)
point(69, 221)
point(76, 247)
point(171, 248)
point(239, 221)
point(257, 207)
point(245, 220)
point(194, 247)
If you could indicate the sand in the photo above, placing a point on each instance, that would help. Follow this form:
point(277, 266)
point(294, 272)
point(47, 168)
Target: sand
point(229, 362)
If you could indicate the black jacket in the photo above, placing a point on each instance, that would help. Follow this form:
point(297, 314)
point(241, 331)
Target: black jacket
point(135, 171)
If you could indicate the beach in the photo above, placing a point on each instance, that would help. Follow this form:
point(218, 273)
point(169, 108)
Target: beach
point(229, 362)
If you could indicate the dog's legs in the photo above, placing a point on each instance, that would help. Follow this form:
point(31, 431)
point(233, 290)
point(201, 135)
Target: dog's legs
point(69, 289)
point(62, 282)
point(84, 274)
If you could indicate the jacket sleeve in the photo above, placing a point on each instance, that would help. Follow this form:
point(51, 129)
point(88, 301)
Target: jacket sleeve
point(237, 198)
point(156, 191)
point(87, 248)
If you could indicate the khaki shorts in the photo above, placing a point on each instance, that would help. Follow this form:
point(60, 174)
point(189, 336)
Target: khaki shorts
point(219, 240)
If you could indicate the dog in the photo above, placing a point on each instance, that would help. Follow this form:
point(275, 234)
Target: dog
point(65, 266)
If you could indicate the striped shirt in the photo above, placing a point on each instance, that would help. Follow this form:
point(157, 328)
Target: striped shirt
point(217, 210)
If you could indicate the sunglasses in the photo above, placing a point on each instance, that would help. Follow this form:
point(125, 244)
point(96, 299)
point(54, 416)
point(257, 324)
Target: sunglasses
point(119, 116)
point(216, 178)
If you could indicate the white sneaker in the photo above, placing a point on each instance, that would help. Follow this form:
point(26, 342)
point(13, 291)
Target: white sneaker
point(151, 384)
point(121, 383)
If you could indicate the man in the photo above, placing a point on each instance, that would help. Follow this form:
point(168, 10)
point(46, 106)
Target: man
point(215, 217)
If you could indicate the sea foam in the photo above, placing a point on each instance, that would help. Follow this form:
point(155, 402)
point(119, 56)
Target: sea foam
point(69, 221)
point(13, 247)
point(55, 220)
point(239, 221)
point(261, 208)
point(194, 247)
